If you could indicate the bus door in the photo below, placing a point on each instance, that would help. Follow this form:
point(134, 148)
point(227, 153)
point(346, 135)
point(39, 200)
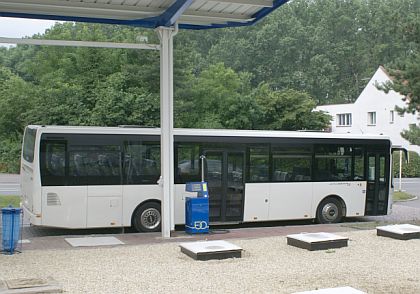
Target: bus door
point(224, 172)
point(377, 184)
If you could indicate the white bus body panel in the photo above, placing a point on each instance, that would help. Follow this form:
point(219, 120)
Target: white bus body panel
point(104, 206)
point(30, 187)
point(290, 201)
point(27, 185)
point(64, 206)
point(287, 201)
point(256, 202)
point(136, 194)
point(31, 194)
point(353, 194)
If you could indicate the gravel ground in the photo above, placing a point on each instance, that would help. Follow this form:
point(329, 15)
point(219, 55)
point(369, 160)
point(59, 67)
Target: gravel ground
point(370, 263)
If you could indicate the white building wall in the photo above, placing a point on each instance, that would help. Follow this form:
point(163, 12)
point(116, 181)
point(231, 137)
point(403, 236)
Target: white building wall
point(373, 100)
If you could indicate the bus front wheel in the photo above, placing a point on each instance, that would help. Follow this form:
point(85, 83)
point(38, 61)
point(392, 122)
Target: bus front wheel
point(330, 210)
point(147, 218)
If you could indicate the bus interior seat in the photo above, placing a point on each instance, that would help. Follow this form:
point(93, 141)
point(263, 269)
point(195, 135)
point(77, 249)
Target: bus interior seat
point(56, 165)
point(300, 174)
point(280, 176)
point(79, 165)
point(105, 167)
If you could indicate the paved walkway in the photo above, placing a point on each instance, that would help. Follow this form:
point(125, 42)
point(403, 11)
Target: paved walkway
point(50, 238)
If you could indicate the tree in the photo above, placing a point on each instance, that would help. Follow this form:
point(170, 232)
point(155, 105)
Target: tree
point(118, 103)
point(217, 98)
point(288, 110)
point(15, 99)
point(325, 48)
point(406, 81)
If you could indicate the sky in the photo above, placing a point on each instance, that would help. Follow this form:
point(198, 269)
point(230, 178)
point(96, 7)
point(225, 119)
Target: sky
point(20, 27)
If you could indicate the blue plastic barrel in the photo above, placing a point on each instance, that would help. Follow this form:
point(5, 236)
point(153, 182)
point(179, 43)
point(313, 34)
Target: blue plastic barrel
point(10, 228)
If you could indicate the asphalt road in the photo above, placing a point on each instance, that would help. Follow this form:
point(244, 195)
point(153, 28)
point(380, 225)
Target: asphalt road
point(410, 186)
point(9, 184)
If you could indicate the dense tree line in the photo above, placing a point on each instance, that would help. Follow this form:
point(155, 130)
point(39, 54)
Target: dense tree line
point(268, 76)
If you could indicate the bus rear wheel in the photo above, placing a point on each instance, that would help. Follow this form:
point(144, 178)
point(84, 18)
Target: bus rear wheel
point(330, 210)
point(147, 218)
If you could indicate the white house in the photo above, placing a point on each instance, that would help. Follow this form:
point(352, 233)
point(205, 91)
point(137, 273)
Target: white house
point(373, 113)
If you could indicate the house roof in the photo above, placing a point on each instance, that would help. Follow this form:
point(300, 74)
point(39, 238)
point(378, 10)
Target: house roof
point(386, 72)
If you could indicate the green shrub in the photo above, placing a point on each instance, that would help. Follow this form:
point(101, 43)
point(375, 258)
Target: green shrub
point(10, 155)
point(409, 170)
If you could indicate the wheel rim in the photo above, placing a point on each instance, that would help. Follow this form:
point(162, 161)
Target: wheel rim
point(150, 218)
point(330, 212)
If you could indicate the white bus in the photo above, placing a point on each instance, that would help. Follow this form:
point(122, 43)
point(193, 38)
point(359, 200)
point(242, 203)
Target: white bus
point(89, 177)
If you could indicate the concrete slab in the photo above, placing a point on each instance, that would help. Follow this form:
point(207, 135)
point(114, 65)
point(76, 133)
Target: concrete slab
point(401, 231)
point(316, 241)
point(30, 286)
point(208, 250)
point(93, 241)
point(339, 290)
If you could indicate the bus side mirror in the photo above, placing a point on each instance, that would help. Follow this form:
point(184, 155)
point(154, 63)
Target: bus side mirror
point(403, 150)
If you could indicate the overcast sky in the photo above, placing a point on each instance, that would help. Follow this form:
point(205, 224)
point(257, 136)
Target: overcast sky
point(20, 27)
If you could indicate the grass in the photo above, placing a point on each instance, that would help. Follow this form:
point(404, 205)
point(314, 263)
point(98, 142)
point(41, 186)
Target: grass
point(401, 196)
point(5, 200)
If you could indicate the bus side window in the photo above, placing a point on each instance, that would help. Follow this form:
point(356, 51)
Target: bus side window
point(53, 163)
point(141, 162)
point(333, 163)
point(187, 163)
point(359, 164)
point(259, 159)
point(94, 165)
point(291, 163)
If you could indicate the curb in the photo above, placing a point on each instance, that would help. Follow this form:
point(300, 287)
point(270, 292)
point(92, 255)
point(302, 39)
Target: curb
point(407, 200)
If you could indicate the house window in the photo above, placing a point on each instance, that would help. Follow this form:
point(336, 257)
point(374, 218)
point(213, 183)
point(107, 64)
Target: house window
point(344, 119)
point(391, 117)
point(371, 118)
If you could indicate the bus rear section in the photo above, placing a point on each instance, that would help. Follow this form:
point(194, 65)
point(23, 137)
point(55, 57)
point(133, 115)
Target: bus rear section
point(92, 178)
point(29, 174)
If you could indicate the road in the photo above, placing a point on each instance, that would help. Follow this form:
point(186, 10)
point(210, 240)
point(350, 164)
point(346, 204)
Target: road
point(410, 186)
point(9, 184)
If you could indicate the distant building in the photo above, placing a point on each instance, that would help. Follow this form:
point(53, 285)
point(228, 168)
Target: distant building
point(373, 113)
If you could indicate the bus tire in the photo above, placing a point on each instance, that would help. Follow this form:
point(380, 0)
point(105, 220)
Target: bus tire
point(147, 217)
point(329, 211)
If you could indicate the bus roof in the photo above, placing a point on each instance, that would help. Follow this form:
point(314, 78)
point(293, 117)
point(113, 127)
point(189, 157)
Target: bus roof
point(204, 132)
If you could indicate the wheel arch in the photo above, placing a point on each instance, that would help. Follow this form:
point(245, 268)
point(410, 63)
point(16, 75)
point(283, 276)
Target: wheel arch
point(339, 198)
point(157, 201)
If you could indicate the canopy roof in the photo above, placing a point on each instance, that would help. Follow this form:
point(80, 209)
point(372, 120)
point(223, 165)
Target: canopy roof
point(189, 14)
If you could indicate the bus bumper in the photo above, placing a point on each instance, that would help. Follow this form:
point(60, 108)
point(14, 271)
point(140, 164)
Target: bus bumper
point(30, 217)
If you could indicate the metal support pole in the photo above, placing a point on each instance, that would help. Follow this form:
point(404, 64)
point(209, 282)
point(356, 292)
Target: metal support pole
point(202, 157)
point(400, 174)
point(166, 125)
